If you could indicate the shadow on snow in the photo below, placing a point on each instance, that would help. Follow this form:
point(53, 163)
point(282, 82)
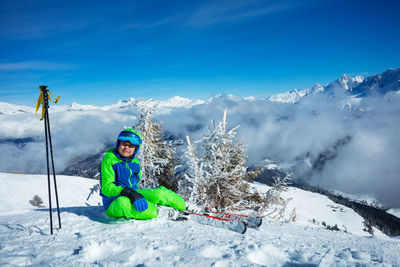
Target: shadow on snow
point(93, 213)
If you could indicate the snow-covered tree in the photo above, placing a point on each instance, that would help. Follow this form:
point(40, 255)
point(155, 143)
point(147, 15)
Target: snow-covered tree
point(192, 186)
point(218, 175)
point(156, 155)
point(274, 202)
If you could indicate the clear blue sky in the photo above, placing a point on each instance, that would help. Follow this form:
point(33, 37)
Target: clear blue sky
point(97, 52)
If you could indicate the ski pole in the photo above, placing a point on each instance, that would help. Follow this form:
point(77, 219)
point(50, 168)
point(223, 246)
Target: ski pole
point(44, 101)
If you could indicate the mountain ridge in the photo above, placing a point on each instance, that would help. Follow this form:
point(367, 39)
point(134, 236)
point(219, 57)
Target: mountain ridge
point(358, 86)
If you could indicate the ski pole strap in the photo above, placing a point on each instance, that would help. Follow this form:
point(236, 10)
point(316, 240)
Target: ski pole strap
point(40, 102)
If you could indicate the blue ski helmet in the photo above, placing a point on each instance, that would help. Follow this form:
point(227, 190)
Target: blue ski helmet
point(131, 135)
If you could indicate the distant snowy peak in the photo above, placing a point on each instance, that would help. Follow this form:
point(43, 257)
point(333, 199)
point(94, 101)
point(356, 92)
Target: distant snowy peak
point(228, 100)
point(171, 103)
point(296, 95)
point(379, 83)
point(348, 82)
point(224, 97)
point(317, 88)
point(124, 103)
point(79, 107)
point(10, 109)
point(291, 97)
point(180, 102)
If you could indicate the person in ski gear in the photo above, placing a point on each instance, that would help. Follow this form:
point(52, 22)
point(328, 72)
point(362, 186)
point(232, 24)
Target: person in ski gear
point(120, 174)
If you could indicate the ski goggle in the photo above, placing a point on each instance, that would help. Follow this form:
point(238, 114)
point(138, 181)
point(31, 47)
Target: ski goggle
point(133, 138)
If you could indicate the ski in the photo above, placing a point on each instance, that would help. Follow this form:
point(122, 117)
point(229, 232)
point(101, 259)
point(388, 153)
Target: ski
point(234, 222)
point(251, 221)
point(219, 222)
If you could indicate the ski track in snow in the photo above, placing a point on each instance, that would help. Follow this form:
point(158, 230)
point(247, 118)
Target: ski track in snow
point(89, 238)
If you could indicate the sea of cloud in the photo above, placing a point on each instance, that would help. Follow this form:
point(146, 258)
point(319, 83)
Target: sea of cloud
point(288, 134)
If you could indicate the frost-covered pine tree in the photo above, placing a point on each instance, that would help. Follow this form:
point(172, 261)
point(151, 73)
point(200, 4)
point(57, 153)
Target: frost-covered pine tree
point(156, 156)
point(192, 186)
point(219, 175)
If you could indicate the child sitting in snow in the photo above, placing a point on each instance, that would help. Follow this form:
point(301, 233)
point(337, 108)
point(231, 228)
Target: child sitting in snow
point(120, 173)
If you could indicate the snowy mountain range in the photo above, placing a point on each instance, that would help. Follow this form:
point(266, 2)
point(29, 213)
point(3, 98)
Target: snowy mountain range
point(87, 237)
point(358, 86)
point(388, 81)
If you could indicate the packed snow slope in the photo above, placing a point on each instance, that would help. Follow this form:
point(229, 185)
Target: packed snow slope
point(88, 237)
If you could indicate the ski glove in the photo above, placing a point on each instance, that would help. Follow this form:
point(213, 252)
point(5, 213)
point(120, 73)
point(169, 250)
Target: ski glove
point(137, 199)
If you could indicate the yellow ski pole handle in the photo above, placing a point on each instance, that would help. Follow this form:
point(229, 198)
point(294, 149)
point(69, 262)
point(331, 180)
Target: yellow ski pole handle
point(40, 102)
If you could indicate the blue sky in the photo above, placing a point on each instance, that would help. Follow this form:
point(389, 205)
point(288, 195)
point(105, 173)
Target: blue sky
point(97, 52)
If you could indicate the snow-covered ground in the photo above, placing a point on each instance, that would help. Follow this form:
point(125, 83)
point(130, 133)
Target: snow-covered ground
point(88, 237)
point(395, 212)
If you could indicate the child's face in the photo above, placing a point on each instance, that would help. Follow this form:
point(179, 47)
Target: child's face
point(126, 149)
